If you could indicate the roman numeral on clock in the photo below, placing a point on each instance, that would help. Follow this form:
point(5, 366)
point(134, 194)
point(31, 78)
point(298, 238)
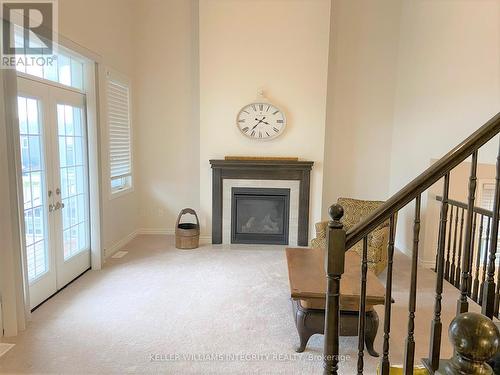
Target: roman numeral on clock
point(275, 112)
point(261, 107)
point(245, 129)
point(253, 133)
point(279, 121)
point(276, 130)
point(241, 120)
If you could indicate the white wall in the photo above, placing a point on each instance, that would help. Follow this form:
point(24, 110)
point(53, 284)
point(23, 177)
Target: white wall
point(361, 85)
point(447, 87)
point(166, 97)
point(104, 27)
point(280, 46)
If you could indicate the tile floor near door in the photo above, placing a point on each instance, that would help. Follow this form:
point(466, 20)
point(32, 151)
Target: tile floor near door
point(214, 310)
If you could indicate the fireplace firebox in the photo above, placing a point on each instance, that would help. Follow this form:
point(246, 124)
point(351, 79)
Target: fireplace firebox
point(260, 215)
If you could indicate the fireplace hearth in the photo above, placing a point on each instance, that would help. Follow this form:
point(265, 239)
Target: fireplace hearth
point(260, 215)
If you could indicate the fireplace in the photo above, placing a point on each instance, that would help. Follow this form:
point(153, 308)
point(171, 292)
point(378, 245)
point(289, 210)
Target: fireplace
point(264, 173)
point(260, 215)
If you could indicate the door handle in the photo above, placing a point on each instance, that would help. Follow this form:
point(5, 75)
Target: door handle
point(55, 207)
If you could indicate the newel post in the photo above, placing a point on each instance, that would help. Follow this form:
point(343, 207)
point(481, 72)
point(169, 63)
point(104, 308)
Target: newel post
point(334, 266)
point(475, 339)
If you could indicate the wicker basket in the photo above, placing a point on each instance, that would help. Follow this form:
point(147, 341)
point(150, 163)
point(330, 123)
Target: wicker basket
point(187, 235)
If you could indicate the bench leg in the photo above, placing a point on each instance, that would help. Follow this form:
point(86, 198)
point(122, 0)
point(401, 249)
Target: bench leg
point(310, 322)
point(304, 333)
point(371, 328)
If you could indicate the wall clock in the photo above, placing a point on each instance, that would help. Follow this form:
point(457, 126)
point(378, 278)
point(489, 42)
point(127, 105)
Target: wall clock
point(261, 121)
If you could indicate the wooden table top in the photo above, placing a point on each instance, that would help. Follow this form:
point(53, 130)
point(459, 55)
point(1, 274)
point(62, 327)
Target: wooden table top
point(306, 272)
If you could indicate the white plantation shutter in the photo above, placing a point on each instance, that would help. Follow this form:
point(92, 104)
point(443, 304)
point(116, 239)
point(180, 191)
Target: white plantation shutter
point(120, 155)
point(487, 195)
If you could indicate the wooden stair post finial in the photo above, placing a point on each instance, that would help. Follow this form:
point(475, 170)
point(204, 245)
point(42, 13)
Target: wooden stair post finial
point(334, 265)
point(475, 339)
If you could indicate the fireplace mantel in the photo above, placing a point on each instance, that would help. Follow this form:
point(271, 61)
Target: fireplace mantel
point(261, 169)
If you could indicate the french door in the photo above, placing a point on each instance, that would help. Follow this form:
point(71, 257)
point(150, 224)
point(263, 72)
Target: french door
point(53, 140)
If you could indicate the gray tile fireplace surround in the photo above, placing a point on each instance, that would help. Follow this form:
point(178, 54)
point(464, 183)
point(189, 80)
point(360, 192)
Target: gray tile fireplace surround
point(294, 175)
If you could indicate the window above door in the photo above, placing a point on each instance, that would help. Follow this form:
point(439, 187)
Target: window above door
point(66, 69)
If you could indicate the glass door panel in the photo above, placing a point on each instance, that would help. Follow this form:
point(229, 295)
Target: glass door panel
point(34, 186)
point(73, 176)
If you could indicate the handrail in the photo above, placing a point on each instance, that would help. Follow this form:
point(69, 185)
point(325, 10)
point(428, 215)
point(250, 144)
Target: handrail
point(426, 179)
point(477, 210)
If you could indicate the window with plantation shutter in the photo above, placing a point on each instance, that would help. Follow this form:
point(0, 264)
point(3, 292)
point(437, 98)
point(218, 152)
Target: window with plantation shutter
point(120, 146)
point(486, 193)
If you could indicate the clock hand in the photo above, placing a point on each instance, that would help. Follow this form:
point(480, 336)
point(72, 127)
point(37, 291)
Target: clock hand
point(259, 121)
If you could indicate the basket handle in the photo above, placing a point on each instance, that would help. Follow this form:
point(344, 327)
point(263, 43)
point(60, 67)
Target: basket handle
point(187, 211)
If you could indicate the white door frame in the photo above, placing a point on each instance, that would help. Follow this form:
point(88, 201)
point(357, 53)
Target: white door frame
point(60, 271)
point(14, 283)
point(96, 256)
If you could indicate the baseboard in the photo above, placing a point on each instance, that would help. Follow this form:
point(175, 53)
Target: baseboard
point(206, 239)
point(408, 254)
point(108, 252)
point(170, 232)
point(164, 231)
point(119, 244)
point(422, 263)
point(429, 264)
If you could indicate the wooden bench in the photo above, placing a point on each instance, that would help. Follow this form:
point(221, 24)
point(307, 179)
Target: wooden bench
point(306, 273)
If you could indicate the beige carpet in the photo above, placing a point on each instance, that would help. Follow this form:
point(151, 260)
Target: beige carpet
point(215, 310)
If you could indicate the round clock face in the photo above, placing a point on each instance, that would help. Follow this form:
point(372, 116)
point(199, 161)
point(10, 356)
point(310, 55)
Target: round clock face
point(261, 121)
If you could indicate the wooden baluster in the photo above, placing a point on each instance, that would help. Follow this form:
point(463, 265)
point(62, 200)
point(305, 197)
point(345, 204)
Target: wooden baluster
point(473, 245)
point(452, 267)
point(497, 296)
point(436, 324)
point(462, 303)
point(410, 339)
point(497, 293)
point(488, 305)
point(447, 266)
point(334, 265)
point(485, 260)
point(388, 297)
point(458, 273)
point(436, 263)
point(362, 307)
point(475, 284)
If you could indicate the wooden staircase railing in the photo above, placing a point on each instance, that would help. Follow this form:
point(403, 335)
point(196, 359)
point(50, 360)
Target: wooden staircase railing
point(339, 241)
point(479, 250)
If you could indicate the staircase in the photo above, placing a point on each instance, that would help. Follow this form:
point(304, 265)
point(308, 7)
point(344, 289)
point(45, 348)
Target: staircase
point(474, 336)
